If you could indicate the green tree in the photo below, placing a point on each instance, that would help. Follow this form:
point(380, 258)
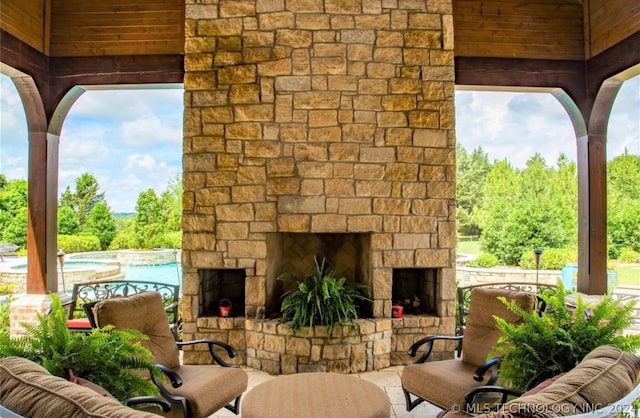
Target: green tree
point(471, 177)
point(13, 211)
point(101, 224)
point(15, 231)
point(523, 211)
point(86, 196)
point(501, 191)
point(623, 204)
point(149, 223)
point(67, 221)
point(171, 204)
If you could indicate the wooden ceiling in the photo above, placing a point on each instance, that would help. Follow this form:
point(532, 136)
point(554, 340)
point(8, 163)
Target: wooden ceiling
point(541, 29)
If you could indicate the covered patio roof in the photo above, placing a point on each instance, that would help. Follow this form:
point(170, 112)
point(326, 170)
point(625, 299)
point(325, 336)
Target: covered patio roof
point(581, 51)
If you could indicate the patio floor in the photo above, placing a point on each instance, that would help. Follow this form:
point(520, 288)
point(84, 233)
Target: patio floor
point(388, 379)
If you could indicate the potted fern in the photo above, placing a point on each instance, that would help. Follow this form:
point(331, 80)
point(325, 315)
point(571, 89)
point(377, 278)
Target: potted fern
point(321, 299)
point(543, 346)
point(107, 357)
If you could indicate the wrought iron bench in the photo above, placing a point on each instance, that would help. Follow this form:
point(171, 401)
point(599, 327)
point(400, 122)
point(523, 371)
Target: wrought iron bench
point(86, 294)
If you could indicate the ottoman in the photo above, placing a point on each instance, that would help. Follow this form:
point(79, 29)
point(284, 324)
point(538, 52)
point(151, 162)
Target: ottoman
point(305, 395)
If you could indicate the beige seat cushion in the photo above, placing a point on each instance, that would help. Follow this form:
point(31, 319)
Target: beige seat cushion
point(444, 383)
point(28, 389)
point(209, 387)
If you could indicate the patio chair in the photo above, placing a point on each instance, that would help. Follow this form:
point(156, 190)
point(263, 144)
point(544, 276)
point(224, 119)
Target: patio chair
point(197, 390)
point(446, 382)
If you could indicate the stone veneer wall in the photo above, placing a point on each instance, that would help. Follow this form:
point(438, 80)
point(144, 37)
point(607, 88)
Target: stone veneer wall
point(318, 116)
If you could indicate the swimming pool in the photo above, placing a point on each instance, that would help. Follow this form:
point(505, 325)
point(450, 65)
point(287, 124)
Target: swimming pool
point(161, 266)
point(164, 273)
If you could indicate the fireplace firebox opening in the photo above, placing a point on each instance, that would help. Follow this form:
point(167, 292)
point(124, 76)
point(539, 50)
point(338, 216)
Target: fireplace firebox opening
point(415, 290)
point(347, 254)
point(216, 285)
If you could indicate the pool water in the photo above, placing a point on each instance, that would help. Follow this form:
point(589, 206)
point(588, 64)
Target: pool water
point(164, 273)
point(69, 265)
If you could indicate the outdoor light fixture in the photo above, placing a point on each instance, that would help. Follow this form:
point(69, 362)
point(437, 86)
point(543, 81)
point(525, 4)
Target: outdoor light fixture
point(538, 253)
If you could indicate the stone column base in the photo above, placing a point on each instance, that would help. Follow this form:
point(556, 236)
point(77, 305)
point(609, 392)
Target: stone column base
point(25, 310)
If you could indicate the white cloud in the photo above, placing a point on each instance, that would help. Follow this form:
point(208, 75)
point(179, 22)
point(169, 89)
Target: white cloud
point(126, 105)
point(131, 140)
point(143, 161)
point(150, 129)
point(515, 126)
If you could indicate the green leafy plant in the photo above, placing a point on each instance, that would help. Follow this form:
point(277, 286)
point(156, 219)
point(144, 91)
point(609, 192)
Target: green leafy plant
point(321, 299)
point(628, 255)
point(4, 315)
point(113, 359)
point(542, 346)
point(484, 260)
point(552, 258)
point(7, 288)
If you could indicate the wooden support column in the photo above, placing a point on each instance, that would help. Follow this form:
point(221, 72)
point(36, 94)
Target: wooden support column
point(36, 214)
point(592, 215)
point(41, 276)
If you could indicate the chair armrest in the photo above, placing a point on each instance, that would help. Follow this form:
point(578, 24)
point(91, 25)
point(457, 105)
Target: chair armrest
point(412, 351)
point(470, 398)
point(493, 365)
point(231, 352)
point(174, 378)
point(145, 400)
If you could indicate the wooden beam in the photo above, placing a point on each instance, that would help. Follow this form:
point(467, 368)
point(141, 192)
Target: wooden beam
point(611, 62)
point(507, 72)
point(67, 72)
point(25, 59)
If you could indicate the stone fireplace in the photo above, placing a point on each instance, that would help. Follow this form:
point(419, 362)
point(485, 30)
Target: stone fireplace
point(318, 129)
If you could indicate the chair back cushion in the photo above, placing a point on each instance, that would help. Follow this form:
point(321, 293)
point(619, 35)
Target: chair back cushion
point(143, 312)
point(28, 390)
point(603, 377)
point(481, 333)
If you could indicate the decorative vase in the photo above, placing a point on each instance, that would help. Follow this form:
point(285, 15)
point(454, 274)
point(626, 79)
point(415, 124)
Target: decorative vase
point(225, 307)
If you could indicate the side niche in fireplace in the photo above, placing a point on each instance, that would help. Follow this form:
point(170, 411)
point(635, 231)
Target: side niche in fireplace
point(221, 286)
point(415, 290)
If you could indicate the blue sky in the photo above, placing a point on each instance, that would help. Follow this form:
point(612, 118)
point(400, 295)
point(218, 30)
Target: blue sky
point(131, 140)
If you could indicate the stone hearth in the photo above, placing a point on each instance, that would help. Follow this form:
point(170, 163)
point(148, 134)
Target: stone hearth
point(318, 128)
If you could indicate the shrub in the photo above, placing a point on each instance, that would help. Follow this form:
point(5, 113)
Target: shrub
point(78, 243)
point(4, 315)
point(551, 258)
point(7, 288)
point(484, 260)
point(169, 240)
point(123, 240)
point(627, 255)
point(545, 345)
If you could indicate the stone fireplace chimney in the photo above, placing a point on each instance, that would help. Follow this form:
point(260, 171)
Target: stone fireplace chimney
point(318, 128)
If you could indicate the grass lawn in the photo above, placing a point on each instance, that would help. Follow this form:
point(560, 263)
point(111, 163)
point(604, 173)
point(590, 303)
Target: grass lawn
point(468, 247)
point(628, 274)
